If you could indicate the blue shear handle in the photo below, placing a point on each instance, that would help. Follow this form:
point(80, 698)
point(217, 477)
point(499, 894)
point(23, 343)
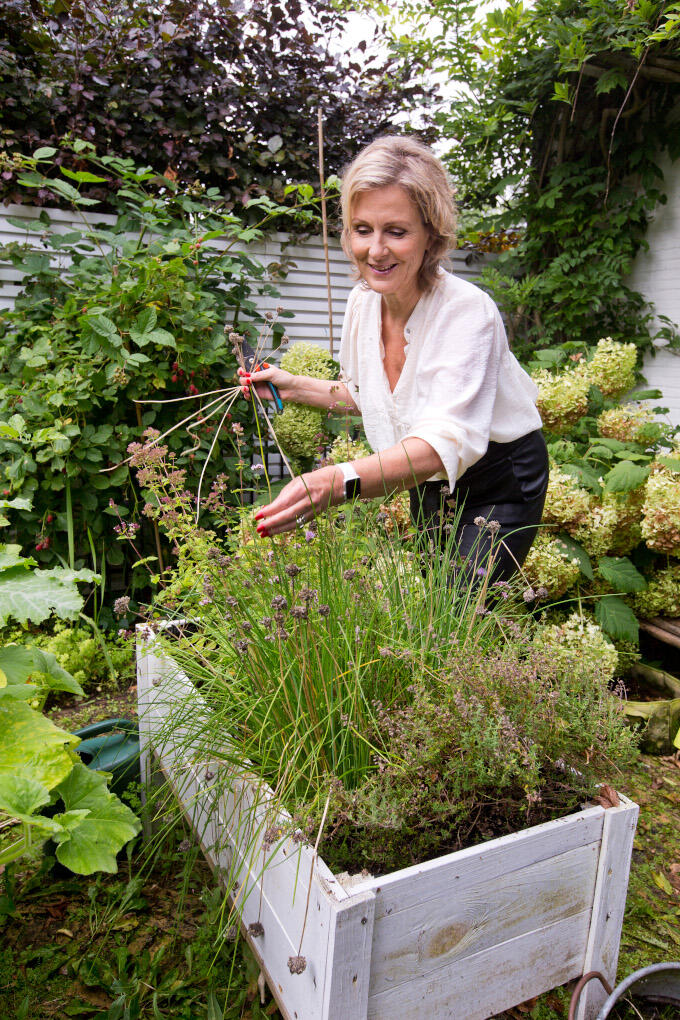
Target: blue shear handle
point(275, 394)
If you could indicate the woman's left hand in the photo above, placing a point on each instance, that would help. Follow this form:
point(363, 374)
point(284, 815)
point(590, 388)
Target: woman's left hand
point(301, 500)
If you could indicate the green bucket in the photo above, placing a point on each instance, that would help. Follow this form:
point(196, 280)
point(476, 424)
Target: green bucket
point(659, 719)
point(112, 745)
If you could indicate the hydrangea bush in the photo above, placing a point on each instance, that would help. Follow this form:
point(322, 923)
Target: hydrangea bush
point(300, 429)
point(614, 490)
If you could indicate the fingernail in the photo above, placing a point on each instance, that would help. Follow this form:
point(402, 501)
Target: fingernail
point(265, 364)
point(262, 531)
point(259, 515)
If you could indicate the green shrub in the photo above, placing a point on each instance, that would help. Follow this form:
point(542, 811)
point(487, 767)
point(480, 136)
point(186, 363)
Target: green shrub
point(112, 320)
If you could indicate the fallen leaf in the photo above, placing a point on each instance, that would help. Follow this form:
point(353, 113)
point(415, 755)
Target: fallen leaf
point(556, 1004)
point(662, 882)
point(65, 931)
point(607, 797)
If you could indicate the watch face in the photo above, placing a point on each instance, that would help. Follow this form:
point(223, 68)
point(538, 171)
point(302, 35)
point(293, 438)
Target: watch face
point(352, 488)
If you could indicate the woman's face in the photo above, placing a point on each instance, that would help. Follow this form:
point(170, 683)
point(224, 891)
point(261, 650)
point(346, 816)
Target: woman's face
point(388, 241)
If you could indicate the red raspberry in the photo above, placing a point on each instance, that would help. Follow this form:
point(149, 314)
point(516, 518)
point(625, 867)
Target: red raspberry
point(49, 518)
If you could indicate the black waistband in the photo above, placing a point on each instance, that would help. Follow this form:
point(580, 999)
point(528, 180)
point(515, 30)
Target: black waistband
point(494, 452)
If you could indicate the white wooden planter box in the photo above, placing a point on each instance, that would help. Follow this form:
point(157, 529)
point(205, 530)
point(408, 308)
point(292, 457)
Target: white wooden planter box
point(464, 936)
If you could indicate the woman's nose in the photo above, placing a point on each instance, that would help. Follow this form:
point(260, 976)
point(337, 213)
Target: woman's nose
point(377, 245)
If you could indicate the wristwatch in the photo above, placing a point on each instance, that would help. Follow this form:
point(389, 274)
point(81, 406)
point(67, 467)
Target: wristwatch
point(352, 481)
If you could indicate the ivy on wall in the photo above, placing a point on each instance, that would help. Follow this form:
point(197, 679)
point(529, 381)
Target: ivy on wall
point(561, 114)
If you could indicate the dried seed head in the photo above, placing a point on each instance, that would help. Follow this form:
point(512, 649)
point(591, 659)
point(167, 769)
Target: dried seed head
point(297, 964)
point(255, 929)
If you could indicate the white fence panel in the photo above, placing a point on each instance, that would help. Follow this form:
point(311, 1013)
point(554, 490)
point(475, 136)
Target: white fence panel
point(302, 291)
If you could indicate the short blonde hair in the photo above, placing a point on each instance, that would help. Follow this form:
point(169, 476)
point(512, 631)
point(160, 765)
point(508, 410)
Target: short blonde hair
point(403, 160)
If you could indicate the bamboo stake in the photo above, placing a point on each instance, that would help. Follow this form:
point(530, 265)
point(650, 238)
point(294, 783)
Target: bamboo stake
point(324, 224)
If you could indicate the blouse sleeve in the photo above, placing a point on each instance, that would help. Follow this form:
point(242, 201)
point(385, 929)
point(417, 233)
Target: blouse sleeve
point(457, 380)
point(349, 354)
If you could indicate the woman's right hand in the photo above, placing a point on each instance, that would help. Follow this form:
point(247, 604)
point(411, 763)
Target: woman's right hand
point(283, 381)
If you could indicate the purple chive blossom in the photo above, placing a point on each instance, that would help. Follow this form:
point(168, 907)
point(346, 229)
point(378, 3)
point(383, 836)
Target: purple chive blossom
point(279, 602)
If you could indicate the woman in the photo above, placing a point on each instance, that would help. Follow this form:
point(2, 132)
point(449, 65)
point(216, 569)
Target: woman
point(425, 361)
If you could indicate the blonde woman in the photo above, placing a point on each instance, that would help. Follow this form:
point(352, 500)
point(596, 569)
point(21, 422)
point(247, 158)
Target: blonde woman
point(426, 363)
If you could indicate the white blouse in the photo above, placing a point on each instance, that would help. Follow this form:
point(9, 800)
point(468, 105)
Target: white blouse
point(460, 386)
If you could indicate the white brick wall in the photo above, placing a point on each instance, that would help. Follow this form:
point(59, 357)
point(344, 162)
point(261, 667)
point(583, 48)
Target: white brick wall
point(656, 274)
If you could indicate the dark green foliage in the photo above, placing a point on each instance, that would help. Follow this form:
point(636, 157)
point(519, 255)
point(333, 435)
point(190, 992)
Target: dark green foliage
point(224, 92)
point(559, 129)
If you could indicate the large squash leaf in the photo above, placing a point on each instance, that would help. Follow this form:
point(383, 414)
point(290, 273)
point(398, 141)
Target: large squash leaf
point(90, 842)
point(21, 797)
point(18, 663)
point(34, 595)
point(30, 743)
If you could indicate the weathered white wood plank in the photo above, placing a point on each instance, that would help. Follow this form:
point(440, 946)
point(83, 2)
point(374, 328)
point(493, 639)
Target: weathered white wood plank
point(491, 981)
point(412, 944)
point(349, 959)
point(444, 876)
point(602, 951)
point(285, 888)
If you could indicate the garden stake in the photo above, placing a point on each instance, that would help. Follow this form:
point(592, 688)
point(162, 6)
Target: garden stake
point(324, 226)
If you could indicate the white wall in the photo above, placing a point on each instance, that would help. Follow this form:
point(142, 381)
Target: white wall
point(656, 274)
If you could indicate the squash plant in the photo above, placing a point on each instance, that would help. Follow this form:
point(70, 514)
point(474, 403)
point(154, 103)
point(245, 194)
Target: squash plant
point(39, 766)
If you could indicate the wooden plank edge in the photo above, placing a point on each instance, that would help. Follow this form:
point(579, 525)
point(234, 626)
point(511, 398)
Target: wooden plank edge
point(668, 637)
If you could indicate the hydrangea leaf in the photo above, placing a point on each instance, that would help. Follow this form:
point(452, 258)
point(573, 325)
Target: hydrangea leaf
point(625, 476)
point(574, 551)
point(35, 595)
point(621, 573)
point(31, 742)
point(584, 475)
point(616, 618)
point(92, 844)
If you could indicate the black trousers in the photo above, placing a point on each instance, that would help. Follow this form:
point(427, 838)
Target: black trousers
point(507, 485)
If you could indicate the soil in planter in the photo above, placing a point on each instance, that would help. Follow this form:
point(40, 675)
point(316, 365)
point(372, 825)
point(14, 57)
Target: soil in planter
point(348, 848)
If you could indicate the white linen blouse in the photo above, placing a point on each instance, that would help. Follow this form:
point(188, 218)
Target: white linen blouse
point(460, 386)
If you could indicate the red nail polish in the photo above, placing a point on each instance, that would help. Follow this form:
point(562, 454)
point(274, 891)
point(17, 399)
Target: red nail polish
point(259, 515)
point(262, 531)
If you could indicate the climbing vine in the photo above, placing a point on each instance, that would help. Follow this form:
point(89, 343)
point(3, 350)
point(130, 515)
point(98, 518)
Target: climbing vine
point(562, 115)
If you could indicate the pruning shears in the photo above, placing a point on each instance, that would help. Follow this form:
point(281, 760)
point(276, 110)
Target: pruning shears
point(251, 364)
